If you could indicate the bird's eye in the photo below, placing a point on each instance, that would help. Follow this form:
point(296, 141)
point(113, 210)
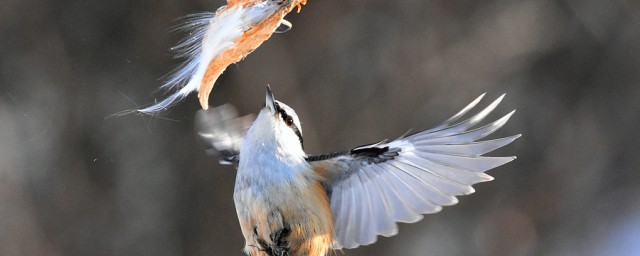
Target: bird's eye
point(289, 121)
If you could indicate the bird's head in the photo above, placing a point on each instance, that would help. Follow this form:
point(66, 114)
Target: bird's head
point(278, 124)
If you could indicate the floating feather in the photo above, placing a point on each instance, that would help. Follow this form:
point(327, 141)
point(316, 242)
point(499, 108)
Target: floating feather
point(217, 40)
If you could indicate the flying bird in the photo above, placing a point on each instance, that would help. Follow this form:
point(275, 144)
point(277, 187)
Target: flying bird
point(217, 40)
point(292, 203)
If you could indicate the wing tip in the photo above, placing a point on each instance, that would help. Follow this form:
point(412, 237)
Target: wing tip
point(470, 191)
point(494, 103)
point(453, 201)
point(509, 115)
point(394, 231)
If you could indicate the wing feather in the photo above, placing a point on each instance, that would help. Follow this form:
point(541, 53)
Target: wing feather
point(373, 187)
point(339, 204)
point(351, 225)
point(466, 124)
point(400, 210)
point(424, 188)
point(365, 236)
point(463, 137)
point(467, 163)
point(458, 115)
point(474, 149)
point(222, 131)
point(464, 177)
point(381, 211)
point(413, 188)
point(446, 186)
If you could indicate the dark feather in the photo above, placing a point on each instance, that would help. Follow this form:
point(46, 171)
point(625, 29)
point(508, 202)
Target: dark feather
point(280, 245)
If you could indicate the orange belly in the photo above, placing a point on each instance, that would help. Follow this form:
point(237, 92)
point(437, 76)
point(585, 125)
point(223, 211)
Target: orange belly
point(305, 212)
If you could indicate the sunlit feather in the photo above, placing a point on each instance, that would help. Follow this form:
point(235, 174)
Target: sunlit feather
point(217, 40)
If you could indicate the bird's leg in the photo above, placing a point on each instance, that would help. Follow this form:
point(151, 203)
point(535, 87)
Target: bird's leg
point(279, 246)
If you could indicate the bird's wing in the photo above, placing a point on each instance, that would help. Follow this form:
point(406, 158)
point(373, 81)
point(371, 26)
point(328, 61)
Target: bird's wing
point(372, 187)
point(222, 131)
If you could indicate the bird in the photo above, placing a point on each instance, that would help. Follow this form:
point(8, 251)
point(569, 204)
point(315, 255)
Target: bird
point(218, 39)
point(292, 203)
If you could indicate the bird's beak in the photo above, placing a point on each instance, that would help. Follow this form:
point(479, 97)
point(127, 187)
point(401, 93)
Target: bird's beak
point(270, 102)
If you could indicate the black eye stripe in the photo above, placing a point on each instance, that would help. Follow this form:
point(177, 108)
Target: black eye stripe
point(289, 121)
point(285, 117)
point(299, 136)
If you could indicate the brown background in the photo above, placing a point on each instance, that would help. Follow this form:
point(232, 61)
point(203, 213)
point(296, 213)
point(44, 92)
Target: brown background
point(356, 71)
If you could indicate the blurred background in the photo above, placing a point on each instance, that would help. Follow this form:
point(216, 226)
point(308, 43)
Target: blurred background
point(75, 181)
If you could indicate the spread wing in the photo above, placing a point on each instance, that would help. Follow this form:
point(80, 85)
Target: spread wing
point(372, 187)
point(222, 131)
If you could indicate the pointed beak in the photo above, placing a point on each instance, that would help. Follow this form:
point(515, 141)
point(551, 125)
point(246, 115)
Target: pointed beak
point(270, 101)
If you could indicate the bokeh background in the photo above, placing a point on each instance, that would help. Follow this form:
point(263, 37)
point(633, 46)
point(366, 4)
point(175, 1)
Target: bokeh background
point(75, 181)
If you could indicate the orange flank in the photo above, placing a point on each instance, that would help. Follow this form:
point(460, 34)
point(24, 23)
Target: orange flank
point(320, 241)
point(247, 43)
point(310, 222)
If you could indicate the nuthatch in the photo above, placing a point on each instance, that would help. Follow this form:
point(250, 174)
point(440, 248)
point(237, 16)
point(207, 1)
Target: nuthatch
point(291, 203)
